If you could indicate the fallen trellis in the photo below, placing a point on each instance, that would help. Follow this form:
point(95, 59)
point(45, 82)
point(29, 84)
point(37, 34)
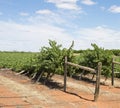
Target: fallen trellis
point(113, 66)
point(98, 73)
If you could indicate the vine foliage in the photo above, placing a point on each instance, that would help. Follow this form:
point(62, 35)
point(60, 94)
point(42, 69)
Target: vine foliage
point(50, 60)
point(92, 57)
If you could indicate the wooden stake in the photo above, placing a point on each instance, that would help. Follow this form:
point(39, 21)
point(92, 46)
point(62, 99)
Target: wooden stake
point(65, 73)
point(97, 87)
point(112, 72)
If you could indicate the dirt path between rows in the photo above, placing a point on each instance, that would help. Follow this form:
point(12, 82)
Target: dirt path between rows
point(17, 91)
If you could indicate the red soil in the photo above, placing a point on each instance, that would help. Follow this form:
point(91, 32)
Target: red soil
point(12, 94)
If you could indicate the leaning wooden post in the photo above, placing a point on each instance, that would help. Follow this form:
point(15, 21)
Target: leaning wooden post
point(65, 73)
point(97, 87)
point(112, 82)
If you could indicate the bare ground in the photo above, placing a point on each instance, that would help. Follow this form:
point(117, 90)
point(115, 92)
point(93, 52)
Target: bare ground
point(17, 91)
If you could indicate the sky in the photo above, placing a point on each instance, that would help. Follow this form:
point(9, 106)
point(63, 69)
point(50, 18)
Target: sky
point(27, 25)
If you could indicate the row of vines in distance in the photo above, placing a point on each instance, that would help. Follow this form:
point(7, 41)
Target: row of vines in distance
point(15, 60)
point(50, 60)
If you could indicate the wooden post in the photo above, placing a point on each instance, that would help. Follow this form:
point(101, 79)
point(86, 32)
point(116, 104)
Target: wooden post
point(65, 73)
point(97, 87)
point(112, 82)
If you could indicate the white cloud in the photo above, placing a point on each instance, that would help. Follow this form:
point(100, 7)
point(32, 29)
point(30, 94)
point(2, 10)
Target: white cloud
point(114, 9)
point(103, 36)
point(65, 4)
point(88, 2)
point(62, 1)
point(45, 12)
point(59, 17)
point(30, 37)
point(68, 6)
point(45, 17)
point(24, 14)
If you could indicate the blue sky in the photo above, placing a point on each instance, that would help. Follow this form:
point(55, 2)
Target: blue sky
point(27, 25)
